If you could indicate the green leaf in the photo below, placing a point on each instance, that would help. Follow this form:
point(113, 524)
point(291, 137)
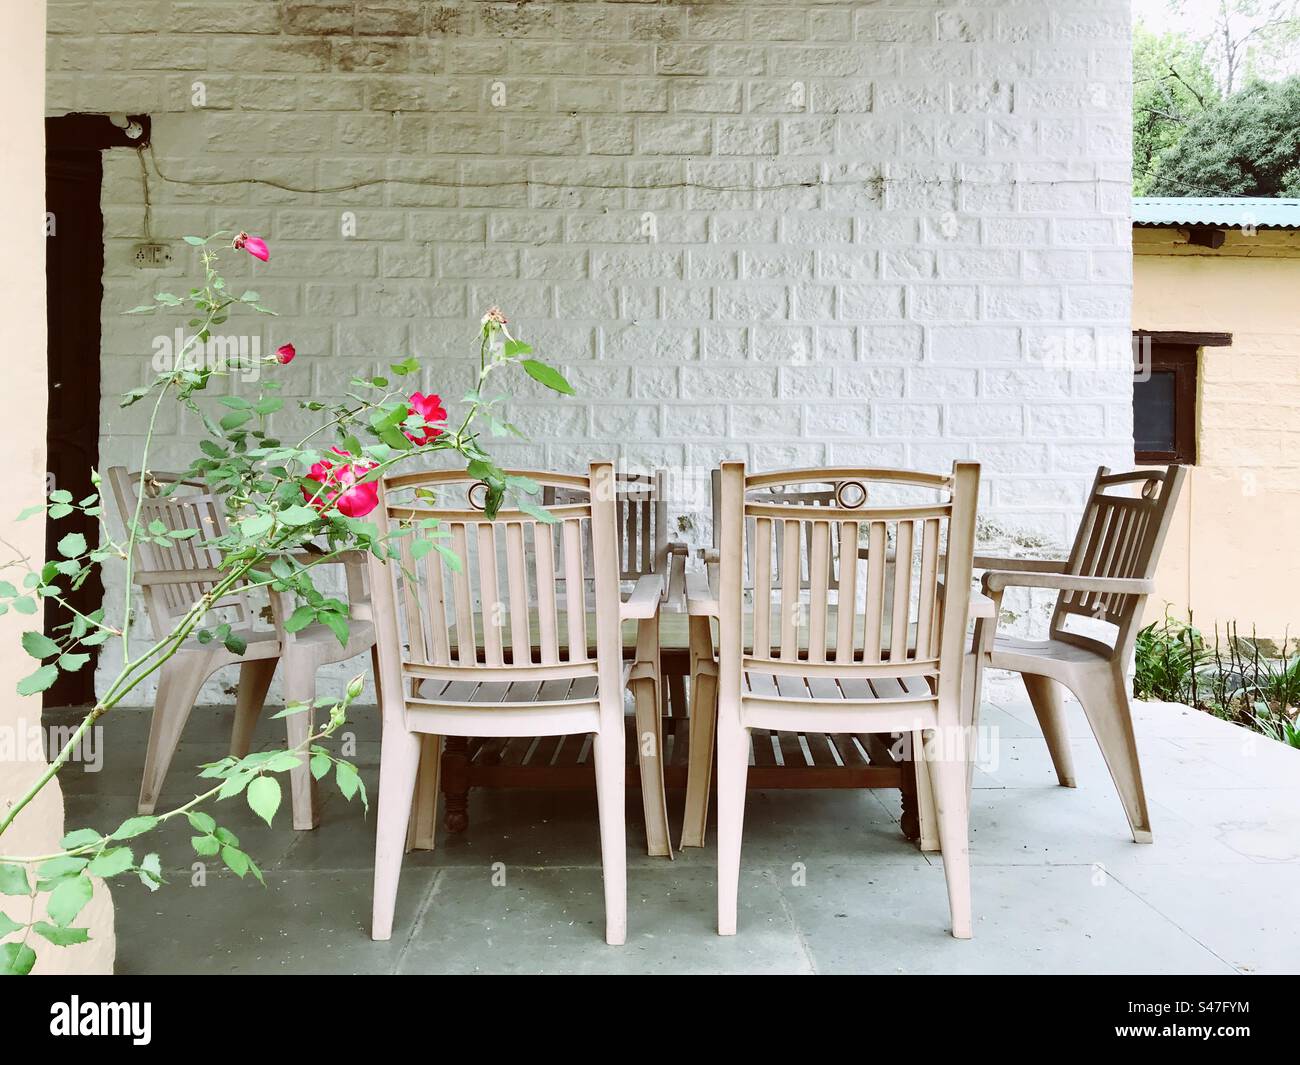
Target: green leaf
point(135, 826)
point(70, 663)
point(63, 865)
point(61, 937)
point(292, 708)
point(547, 375)
point(517, 347)
point(299, 515)
point(320, 765)
point(112, 862)
point(256, 525)
point(300, 619)
point(73, 545)
point(264, 797)
point(25, 605)
point(236, 418)
point(7, 925)
point(540, 513)
point(196, 242)
point(201, 821)
point(206, 846)
point(38, 645)
point(150, 871)
point(236, 860)
point(235, 644)
point(80, 838)
point(13, 880)
point(345, 775)
point(68, 899)
point(16, 959)
point(40, 680)
point(337, 624)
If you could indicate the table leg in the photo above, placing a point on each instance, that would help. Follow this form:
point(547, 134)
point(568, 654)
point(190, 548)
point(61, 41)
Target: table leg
point(422, 831)
point(455, 783)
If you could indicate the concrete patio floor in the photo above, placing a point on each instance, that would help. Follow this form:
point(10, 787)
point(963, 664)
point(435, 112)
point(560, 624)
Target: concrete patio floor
point(828, 883)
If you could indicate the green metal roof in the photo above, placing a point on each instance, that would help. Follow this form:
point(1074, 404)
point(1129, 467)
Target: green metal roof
point(1223, 211)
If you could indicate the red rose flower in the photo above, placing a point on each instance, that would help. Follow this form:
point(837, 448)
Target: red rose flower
point(430, 409)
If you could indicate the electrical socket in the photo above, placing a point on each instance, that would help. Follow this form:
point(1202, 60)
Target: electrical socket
point(151, 256)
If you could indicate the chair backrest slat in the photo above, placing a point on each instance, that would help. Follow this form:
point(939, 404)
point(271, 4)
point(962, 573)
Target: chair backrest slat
point(176, 503)
point(884, 618)
point(642, 503)
point(498, 599)
point(1120, 536)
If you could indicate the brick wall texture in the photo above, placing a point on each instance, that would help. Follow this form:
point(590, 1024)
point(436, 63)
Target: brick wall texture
point(796, 233)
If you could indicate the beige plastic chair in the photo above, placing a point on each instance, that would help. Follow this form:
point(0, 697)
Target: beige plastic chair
point(1107, 578)
point(703, 659)
point(175, 576)
point(456, 649)
point(643, 544)
point(858, 668)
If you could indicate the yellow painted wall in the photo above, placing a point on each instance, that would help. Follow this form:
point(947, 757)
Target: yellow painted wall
point(1233, 552)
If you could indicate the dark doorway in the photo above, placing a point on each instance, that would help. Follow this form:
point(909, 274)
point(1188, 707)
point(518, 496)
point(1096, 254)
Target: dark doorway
point(74, 267)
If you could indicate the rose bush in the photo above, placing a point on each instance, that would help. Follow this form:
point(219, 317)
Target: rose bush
point(291, 507)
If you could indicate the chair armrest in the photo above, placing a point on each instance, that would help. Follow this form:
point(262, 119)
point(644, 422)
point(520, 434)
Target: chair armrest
point(996, 581)
point(701, 601)
point(710, 556)
point(182, 576)
point(1021, 565)
point(644, 600)
point(674, 595)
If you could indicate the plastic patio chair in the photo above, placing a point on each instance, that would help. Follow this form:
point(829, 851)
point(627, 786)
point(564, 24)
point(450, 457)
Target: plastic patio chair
point(496, 643)
point(889, 659)
point(1106, 578)
point(173, 578)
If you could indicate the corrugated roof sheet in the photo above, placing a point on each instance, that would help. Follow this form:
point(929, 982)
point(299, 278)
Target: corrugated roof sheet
point(1226, 211)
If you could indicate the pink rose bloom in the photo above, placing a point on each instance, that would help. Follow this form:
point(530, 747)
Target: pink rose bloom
point(255, 246)
point(430, 409)
point(341, 489)
point(284, 354)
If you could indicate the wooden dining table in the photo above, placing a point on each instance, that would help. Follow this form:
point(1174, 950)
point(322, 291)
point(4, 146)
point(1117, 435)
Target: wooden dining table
point(779, 760)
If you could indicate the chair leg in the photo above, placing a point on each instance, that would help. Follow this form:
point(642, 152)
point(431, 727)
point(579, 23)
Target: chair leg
point(733, 770)
point(703, 720)
point(607, 748)
point(254, 681)
point(649, 748)
point(1045, 694)
point(178, 686)
point(300, 687)
point(1105, 702)
point(399, 759)
point(423, 830)
point(948, 779)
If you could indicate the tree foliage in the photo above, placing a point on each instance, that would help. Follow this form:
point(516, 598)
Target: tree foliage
point(1245, 145)
point(1172, 85)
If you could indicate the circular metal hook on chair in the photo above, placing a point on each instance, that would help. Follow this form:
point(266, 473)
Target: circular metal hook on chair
point(1149, 487)
point(476, 495)
point(844, 494)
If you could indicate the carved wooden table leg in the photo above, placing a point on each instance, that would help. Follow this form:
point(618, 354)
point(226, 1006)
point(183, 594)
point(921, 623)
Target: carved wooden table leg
point(911, 819)
point(455, 783)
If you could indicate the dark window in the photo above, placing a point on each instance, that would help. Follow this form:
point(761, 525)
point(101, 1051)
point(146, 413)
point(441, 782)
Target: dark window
point(1164, 403)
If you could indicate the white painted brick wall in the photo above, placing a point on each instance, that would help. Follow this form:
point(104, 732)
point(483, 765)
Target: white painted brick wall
point(796, 232)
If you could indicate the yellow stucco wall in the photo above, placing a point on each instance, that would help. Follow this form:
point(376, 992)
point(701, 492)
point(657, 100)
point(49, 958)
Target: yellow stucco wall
point(1232, 552)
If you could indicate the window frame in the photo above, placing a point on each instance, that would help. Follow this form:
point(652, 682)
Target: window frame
point(1178, 353)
